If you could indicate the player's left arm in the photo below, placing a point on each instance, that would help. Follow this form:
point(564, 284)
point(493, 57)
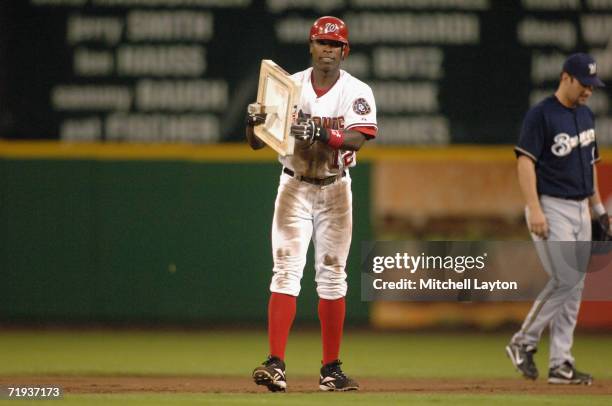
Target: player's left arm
point(596, 198)
point(600, 213)
point(353, 140)
point(346, 140)
point(359, 118)
point(599, 210)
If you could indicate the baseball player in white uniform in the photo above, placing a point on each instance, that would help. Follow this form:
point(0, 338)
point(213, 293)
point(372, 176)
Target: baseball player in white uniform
point(337, 114)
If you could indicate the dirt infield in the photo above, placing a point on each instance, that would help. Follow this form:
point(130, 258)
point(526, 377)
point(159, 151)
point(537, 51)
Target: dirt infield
point(220, 384)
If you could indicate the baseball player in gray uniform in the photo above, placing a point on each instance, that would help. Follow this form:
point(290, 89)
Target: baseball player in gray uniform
point(557, 152)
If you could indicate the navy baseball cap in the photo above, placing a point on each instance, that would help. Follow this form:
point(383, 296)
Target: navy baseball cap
point(583, 67)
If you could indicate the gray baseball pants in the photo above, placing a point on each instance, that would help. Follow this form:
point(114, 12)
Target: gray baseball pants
point(565, 257)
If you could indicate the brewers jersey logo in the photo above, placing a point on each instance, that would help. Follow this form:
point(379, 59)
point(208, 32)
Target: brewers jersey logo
point(361, 107)
point(564, 143)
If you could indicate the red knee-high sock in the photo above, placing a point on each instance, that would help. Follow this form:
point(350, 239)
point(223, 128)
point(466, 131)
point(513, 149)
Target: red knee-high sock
point(281, 312)
point(331, 315)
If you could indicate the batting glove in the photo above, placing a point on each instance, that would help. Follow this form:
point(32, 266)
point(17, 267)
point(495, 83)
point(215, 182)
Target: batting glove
point(255, 115)
point(308, 130)
point(255, 119)
point(603, 222)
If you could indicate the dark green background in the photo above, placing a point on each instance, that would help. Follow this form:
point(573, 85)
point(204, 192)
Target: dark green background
point(484, 92)
point(96, 240)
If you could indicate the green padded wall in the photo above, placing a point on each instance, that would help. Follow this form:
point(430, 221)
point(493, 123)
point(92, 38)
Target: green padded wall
point(149, 241)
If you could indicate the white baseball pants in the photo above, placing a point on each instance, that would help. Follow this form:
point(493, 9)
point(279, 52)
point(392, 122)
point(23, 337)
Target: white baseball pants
point(302, 212)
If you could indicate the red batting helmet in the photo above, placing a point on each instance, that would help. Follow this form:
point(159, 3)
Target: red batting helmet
point(331, 28)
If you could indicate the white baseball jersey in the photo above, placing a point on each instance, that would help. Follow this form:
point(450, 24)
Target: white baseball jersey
point(348, 104)
point(323, 214)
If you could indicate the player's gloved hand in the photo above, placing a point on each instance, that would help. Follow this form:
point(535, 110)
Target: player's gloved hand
point(603, 222)
point(306, 129)
point(255, 119)
point(600, 225)
point(252, 117)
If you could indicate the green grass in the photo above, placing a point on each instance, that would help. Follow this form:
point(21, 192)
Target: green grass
point(393, 355)
point(339, 399)
point(236, 353)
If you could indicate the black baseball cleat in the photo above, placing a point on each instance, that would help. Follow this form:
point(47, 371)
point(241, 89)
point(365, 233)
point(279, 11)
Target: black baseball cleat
point(333, 379)
point(271, 374)
point(522, 359)
point(566, 374)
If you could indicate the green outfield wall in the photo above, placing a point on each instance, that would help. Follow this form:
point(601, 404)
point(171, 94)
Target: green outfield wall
point(180, 233)
point(148, 240)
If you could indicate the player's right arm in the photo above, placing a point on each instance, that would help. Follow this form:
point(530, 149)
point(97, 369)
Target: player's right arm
point(528, 150)
point(252, 139)
point(253, 120)
point(536, 221)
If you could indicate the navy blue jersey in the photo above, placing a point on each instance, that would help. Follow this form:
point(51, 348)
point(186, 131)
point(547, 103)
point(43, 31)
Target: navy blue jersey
point(561, 142)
